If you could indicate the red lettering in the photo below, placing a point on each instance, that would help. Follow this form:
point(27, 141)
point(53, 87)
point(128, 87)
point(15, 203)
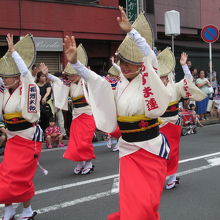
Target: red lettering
point(151, 104)
point(147, 92)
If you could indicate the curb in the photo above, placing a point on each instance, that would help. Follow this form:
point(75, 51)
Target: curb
point(210, 122)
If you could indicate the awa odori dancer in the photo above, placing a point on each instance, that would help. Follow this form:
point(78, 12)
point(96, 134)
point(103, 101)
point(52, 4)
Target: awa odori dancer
point(170, 126)
point(135, 105)
point(113, 77)
point(80, 148)
point(20, 106)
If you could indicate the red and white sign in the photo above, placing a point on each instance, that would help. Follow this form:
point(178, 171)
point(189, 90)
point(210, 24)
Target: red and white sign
point(210, 34)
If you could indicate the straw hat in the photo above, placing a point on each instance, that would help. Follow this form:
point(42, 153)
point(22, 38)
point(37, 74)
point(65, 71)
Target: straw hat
point(26, 49)
point(113, 71)
point(81, 56)
point(128, 51)
point(142, 25)
point(166, 62)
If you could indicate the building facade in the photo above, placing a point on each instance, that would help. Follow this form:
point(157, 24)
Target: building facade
point(93, 23)
point(194, 15)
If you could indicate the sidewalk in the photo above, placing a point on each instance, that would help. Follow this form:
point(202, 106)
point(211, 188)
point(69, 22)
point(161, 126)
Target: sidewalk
point(100, 141)
point(210, 121)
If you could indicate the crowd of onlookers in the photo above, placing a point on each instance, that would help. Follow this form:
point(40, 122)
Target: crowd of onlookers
point(210, 85)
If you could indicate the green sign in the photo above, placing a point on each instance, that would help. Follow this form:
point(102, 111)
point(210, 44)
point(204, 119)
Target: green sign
point(132, 10)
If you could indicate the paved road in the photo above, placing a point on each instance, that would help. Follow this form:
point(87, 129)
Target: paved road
point(62, 195)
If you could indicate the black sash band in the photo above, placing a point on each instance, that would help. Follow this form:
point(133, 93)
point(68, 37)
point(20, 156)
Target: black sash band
point(80, 105)
point(172, 110)
point(20, 126)
point(139, 135)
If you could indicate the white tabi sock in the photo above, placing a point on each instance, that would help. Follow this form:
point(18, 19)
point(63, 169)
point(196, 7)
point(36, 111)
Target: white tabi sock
point(9, 212)
point(27, 212)
point(88, 164)
point(171, 179)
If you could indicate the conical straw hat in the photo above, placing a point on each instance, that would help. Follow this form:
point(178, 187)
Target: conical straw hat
point(128, 51)
point(166, 62)
point(26, 49)
point(113, 71)
point(142, 25)
point(81, 56)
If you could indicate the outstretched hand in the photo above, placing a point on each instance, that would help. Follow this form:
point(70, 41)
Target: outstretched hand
point(112, 60)
point(183, 58)
point(9, 39)
point(70, 49)
point(43, 68)
point(123, 21)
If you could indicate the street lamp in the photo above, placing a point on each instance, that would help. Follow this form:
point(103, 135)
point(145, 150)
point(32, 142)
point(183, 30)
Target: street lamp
point(172, 24)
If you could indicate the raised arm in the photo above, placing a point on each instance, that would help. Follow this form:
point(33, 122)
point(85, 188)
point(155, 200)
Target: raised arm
point(183, 60)
point(17, 58)
point(116, 66)
point(132, 33)
point(70, 50)
point(44, 69)
point(98, 87)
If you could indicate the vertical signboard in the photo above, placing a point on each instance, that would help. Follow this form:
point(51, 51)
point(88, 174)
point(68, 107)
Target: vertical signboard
point(132, 8)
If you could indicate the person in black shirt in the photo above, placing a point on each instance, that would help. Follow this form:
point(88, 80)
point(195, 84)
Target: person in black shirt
point(45, 92)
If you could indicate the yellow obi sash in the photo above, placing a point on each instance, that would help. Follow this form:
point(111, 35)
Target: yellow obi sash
point(14, 118)
point(15, 121)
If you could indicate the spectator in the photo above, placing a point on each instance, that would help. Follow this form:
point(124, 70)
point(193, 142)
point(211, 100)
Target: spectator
point(189, 64)
point(34, 72)
point(186, 102)
point(213, 79)
point(203, 84)
point(53, 134)
point(192, 107)
point(59, 112)
point(45, 107)
point(194, 72)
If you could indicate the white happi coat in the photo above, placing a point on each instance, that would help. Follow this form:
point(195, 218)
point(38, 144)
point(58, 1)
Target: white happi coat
point(128, 100)
point(63, 89)
point(185, 88)
point(24, 99)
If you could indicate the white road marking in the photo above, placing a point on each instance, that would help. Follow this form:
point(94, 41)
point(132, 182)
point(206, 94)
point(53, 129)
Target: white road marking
point(199, 157)
point(112, 176)
point(115, 185)
point(75, 184)
point(74, 202)
point(212, 163)
point(213, 160)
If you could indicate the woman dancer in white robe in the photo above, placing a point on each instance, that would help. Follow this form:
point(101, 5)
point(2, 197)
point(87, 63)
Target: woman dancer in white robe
point(139, 99)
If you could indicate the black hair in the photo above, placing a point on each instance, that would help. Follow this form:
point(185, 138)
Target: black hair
point(39, 74)
point(191, 105)
point(52, 119)
point(33, 67)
